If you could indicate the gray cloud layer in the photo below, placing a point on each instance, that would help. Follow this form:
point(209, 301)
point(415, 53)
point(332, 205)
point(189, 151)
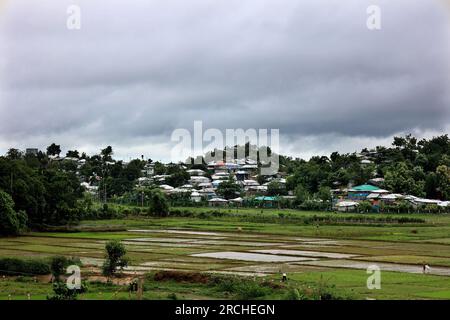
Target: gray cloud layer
point(139, 69)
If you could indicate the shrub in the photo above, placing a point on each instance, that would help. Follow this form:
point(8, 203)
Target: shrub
point(14, 266)
point(294, 294)
point(62, 292)
point(115, 257)
point(59, 264)
point(365, 207)
point(251, 289)
point(244, 288)
point(159, 206)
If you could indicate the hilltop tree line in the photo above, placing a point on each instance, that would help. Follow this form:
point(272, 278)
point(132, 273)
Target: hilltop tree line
point(419, 168)
point(40, 189)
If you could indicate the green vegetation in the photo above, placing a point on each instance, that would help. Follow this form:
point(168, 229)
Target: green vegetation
point(47, 188)
point(62, 292)
point(42, 194)
point(158, 202)
point(46, 192)
point(336, 284)
point(115, 257)
point(11, 222)
point(14, 266)
point(228, 189)
point(58, 265)
point(394, 285)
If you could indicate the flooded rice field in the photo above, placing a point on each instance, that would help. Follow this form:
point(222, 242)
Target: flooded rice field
point(246, 256)
point(235, 252)
point(308, 253)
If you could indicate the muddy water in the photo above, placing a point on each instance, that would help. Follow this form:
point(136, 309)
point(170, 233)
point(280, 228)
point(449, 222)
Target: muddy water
point(91, 261)
point(409, 268)
point(302, 253)
point(255, 257)
point(237, 243)
point(274, 268)
point(203, 233)
point(176, 240)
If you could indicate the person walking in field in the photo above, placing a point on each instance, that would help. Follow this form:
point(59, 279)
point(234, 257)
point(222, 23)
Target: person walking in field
point(426, 268)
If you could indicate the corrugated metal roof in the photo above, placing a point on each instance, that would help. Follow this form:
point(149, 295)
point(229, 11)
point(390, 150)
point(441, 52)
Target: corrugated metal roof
point(364, 187)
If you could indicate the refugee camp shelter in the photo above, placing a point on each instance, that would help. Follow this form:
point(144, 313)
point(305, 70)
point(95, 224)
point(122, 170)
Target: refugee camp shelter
point(361, 192)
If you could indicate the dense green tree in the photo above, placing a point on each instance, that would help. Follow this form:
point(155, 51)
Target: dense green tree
point(275, 188)
point(301, 194)
point(73, 154)
point(407, 146)
point(54, 149)
point(58, 266)
point(133, 169)
point(434, 149)
point(443, 181)
point(14, 154)
point(310, 175)
point(158, 204)
point(431, 186)
point(11, 222)
point(62, 191)
point(107, 153)
point(159, 168)
point(365, 206)
point(115, 186)
point(115, 257)
point(228, 189)
point(324, 194)
point(178, 176)
point(26, 187)
point(399, 178)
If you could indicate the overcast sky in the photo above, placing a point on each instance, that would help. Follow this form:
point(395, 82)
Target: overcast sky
point(137, 70)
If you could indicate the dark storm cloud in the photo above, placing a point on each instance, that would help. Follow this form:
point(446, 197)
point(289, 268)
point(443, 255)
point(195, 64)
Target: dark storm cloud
point(136, 71)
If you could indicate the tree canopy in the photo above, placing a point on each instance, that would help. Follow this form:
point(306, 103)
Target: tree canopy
point(11, 222)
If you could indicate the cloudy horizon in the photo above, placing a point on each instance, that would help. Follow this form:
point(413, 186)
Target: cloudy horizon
point(134, 73)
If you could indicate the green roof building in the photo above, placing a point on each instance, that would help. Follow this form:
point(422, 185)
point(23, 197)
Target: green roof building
point(364, 187)
point(361, 192)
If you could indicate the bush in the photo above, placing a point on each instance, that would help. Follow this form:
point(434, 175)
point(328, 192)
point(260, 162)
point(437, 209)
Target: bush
point(59, 264)
point(159, 206)
point(251, 289)
point(365, 207)
point(14, 266)
point(115, 257)
point(243, 288)
point(294, 294)
point(62, 292)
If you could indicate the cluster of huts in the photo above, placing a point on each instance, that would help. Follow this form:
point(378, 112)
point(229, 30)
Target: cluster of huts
point(202, 185)
point(349, 199)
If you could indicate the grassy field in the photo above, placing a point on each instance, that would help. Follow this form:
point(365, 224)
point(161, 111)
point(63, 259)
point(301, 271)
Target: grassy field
point(342, 284)
point(336, 248)
point(435, 228)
